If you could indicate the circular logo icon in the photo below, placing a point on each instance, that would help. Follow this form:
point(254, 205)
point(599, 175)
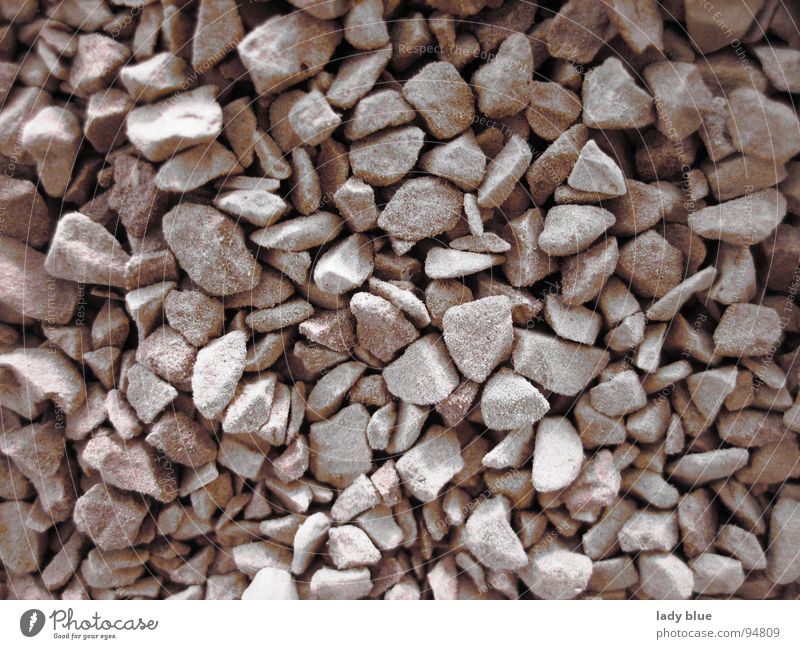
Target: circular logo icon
point(31, 622)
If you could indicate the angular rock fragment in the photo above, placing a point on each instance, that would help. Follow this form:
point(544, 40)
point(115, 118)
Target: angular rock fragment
point(460, 161)
point(285, 50)
point(345, 266)
point(681, 96)
point(503, 84)
point(257, 207)
point(271, 584)
point(29, 288)
point(218, 30)
point(421, 208)
point(354, 79)
point(131, 465)
point(381, 327)
point(166, 353)
point(561, 366)
point(46, 374)
point(217, 371)
point(280, 317)
point(350, 547)
point(193, 168)
point(743, 545)
point(97, 61)
point(509, 401)
point(762, 127)
point(479, 336)
point(331, 389)
point(701, 468)
point(620, 395)
point(504, 172)
point(386, 157)
point(715, 574)
point(156, 77)
point(743, 221)
point(651, 265)
point(197, 316)
point(783, 565)
point(84, 251)
point(612, 100)
point(584, 275)
point(597, 173)
point(162, 129)
point(570, 229)
point(552, 110)
point(312, 118)
point(490, 537)
point(747, 330)
point(424, 374)
point(307, 540)
point(665, 576)
point(443, 99)
point(110, 517)
point(557, 454)
point(355, 200)
point(442, 263)
point(226, 266)
point(430, 464)
point(577, 31)
point(182, 440)
point(353, 583)
point(53, 139)
point(339, 448)
point(649, 531)
point(556, 573)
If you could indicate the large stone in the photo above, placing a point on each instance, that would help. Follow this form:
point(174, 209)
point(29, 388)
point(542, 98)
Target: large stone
point(21, 548)
point(162, 129)
point(218, 31)
point(29, 289)
point(382, 329)
point(510, 401)
point(226, 265)
point(742, 221)
point(31, 221)
point(46, 374)
point(556, 573)
point(504, 83)
point(557, 454)
point(83, 251)
point(109, 516)
point(131, 465)
point(558, 365)
point(431, 463)
point(783, 560)
point(195, 167)
point(345, 266)
point(339, 448)
point(612, 100)
point(570, 229)
point(155, 77)
point(424, 374)
point(479, 335)
point(490, 537)
point(422, 208)
point(665, 576)
point(386, 157)
point(53, 138)
point(443, 99)
point(287, 49)
point(217, 371)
